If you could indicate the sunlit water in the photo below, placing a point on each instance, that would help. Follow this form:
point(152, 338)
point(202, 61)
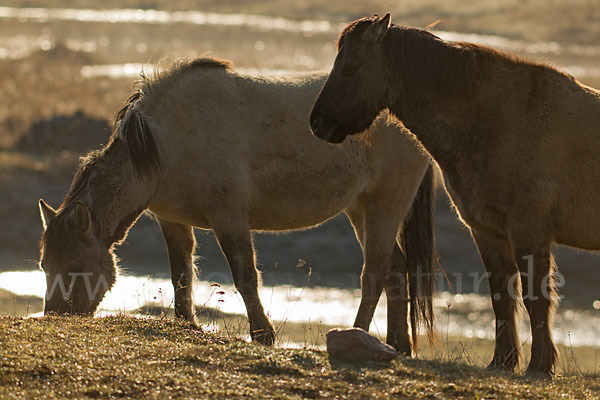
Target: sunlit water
point(132, 16)
point(264, 23)
point(22, 45)
point(464, 315)
point(132, 70)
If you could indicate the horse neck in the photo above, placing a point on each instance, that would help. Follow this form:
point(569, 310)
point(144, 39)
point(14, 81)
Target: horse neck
point(445, 121)
point(433, 121)
point(117, 197)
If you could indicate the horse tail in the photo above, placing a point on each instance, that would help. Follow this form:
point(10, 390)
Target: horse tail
point(132, 128)
point(418, 242)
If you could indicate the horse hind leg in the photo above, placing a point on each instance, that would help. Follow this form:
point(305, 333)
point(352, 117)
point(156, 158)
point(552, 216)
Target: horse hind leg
point(236, 245)
point(396, 290)
point(180, 247)
point(379, 229)
point(536, 265)
point(502, 272)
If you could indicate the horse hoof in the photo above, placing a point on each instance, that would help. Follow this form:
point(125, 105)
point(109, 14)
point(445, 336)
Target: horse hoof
point(403, 350)
point(499, 366)
point(263, 336)
point(189, 320)
point(539, 375)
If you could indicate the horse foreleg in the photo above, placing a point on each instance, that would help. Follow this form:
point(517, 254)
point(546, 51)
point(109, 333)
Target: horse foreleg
point(239, 252)
point(396, 290)
point(498, 259)
point(180, 246)
point(536, 265)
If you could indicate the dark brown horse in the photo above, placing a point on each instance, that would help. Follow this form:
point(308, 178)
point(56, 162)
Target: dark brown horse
point(518, 144)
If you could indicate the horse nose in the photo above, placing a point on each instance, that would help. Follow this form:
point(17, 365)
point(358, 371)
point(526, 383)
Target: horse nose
point(315, 123)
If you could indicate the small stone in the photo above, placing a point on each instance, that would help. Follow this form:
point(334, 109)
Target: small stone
point(356, 345)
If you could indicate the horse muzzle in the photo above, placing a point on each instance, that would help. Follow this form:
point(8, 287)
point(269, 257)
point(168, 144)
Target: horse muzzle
point(322, 131)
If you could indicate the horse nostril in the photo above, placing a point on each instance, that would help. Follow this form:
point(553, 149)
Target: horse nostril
point(315, 122)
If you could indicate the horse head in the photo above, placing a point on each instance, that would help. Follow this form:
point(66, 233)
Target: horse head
point(80, 268)
point(355, 91)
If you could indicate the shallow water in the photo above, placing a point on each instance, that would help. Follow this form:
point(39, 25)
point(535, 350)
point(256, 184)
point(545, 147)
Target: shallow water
point(133, 16)
point(463, 315)
point(132, 70)
point(567, 55)
point(264, 23)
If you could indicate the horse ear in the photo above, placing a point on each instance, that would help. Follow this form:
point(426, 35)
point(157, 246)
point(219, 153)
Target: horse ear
point(386, 20)
point(379, 29)
point(46, 213)
point(81, 219)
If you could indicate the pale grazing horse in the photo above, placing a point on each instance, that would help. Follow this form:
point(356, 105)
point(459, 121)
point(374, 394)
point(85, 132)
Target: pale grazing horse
point(200, 145)
point(518, 144)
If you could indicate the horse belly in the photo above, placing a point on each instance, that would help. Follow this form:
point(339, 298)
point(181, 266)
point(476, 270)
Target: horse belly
point(305, 205)
point(576, 215)
point(578, 229)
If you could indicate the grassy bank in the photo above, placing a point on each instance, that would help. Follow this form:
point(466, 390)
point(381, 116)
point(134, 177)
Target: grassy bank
point(74, 357)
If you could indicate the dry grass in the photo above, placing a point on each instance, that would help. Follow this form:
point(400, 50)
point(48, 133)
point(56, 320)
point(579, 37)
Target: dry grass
point(75, 357)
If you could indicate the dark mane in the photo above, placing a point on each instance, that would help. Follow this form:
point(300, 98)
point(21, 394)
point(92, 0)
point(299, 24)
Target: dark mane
point(432, 63)
point(168, 70)
point(131, 127)
point(58, 234)
point(358, 25)
point(87, 164)
point(419, 54)
point(131, 133)
point(209, 62)
point(135, 96)
point(443, 66)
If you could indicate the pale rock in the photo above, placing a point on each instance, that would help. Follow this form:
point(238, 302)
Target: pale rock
point(356, 345)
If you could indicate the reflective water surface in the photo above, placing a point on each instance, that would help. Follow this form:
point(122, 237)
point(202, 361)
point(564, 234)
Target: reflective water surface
point(464, 315)
point(21, 45)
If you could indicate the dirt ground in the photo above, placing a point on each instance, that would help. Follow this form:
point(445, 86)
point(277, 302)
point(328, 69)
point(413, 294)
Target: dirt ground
point(50, 113)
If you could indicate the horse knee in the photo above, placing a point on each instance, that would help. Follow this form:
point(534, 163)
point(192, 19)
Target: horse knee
point(374, 279)
point(245, 278)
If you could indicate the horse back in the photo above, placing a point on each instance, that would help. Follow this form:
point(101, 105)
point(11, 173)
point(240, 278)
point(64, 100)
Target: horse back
point(536, 157)
point(231, 141)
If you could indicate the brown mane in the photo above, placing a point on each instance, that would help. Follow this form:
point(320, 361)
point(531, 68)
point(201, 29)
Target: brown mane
point(358, 25)
point(420, 54)
point(443, 66)
point(58, 234)
point(209, 62)
point(169, 70)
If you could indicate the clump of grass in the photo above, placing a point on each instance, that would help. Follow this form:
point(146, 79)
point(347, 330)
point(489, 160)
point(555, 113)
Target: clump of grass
point(77, 357)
